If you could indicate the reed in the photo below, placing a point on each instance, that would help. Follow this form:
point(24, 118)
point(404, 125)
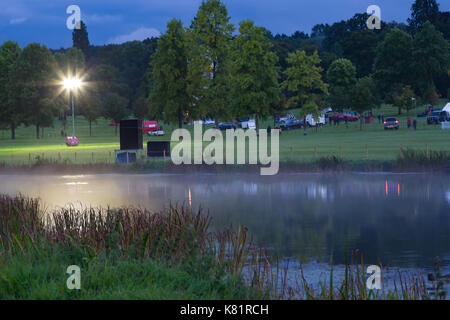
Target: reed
point(179, 238)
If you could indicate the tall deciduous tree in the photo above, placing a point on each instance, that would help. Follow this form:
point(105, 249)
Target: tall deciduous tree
point(423, 11)
point(341, 77)
point(303, 79)
point(80, 39)
point(254, 72)
point(169, 94)
point(430, 57)
point(10, 114)
point(393, 62)
point(34, 73)
point(403, 99)
point(213, 31)
point(115, 108)
point(364, 96)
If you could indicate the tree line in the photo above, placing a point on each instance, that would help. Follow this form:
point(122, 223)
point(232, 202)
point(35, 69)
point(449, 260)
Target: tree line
point(214, 69)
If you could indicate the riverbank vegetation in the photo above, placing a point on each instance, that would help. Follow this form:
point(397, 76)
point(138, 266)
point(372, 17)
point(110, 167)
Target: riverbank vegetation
point(130, 253)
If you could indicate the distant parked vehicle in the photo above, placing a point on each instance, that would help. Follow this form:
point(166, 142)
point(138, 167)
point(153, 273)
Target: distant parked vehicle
point(351, 116)
point(291, 124)
point(226, 125)
point(315, 121)
point(391, 123)
point(248, 124)
point(71, 141)
point(112, 123)
point(150, 126)
point(285, 118)
point(438, 116)
point(156, 133)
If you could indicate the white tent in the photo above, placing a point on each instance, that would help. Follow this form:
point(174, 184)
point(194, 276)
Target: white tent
point(447, 107)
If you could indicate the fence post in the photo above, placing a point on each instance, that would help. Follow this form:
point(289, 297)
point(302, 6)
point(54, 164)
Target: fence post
point(29, 158)
point(110, 156)
point(340, 152)
point(426, 147)
point(164, 154)
point(92, 159)
point(59, 156)
point(367, 152)
point(75, 156)
point(127, 157)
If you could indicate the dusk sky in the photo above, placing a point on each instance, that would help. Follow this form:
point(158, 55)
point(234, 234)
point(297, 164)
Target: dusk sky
point(117, 21)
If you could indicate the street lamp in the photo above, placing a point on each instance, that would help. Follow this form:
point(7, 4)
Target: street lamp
point(73, 84)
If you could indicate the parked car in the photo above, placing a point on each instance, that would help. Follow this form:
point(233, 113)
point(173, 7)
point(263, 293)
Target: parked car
point(438, 116)
point(291, 124)
point(156, 133)
point(225, 126)
point(283, 119)
point(391, 123)
point(351, 116)
point(72, 141)
point(112, 123)
point(150, 126)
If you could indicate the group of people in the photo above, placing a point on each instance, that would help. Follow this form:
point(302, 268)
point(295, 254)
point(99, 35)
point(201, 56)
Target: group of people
point(414, 123)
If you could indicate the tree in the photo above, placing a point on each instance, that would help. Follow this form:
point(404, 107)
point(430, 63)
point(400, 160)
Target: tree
point(310, 107)
point(393, 62)
point(10, 114)
point(364, 96)
point(423, 11)
point(90, 107)
point(430, 57)
point(360, 48)
point(140, 108)
point(170, 75)
point(115, 108)
point(80, 39)
point(403, 99)
point(341, 77)
point(303, 79)
point(34, 72)
point(213, 32)
point(254, 72)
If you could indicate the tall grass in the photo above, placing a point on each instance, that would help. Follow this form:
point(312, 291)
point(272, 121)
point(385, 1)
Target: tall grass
point(177, 238)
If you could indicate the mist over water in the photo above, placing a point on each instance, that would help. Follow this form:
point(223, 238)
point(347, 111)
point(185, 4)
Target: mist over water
point(401, 220)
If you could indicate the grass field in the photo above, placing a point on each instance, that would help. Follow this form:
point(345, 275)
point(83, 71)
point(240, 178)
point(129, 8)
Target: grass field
point(343, 141)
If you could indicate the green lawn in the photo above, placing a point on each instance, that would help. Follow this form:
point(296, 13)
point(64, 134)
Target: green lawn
point(381, 144)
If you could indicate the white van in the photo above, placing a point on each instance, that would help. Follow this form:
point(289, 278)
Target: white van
point(312, 122)
point(249, 124)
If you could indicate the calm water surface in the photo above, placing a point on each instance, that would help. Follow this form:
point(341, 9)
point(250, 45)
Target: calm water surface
point(402, 220)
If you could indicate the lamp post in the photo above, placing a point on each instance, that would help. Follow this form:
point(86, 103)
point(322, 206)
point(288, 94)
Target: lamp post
point(72, 84)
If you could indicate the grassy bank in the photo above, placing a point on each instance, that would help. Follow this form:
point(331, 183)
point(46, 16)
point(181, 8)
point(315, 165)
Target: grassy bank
point(408, 160)
point(130, 253)
point(345, 142)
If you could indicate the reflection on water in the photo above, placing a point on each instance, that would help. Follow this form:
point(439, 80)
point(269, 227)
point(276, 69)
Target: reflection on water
point(402, 220)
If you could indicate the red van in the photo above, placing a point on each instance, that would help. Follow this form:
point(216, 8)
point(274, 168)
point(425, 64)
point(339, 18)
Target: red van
point(150, 126)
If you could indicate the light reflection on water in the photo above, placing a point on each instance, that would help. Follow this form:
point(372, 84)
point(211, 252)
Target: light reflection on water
point(402, 220)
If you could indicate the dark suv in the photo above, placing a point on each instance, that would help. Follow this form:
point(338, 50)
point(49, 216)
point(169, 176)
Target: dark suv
point(437, 116)
point(291, 124)
point(390, 123)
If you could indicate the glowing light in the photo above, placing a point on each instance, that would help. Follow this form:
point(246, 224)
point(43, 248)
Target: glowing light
point(72, 83)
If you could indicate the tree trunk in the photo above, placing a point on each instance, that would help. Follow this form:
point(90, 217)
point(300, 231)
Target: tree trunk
point(37, 131)
point(13, 130)
point(304, 126)
point(399, 110)
point(42, 135)
point(90, 128)
point(360, 122)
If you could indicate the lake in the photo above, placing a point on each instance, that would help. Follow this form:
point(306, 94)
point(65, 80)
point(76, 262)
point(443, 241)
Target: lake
point(401, 220)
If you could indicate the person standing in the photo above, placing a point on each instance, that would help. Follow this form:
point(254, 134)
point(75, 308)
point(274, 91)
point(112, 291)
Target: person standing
point(415, 124)
point(409, 122)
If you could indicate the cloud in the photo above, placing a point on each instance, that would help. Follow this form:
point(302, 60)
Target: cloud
point(101, 18)
point(138, 34)
point(17, 20)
